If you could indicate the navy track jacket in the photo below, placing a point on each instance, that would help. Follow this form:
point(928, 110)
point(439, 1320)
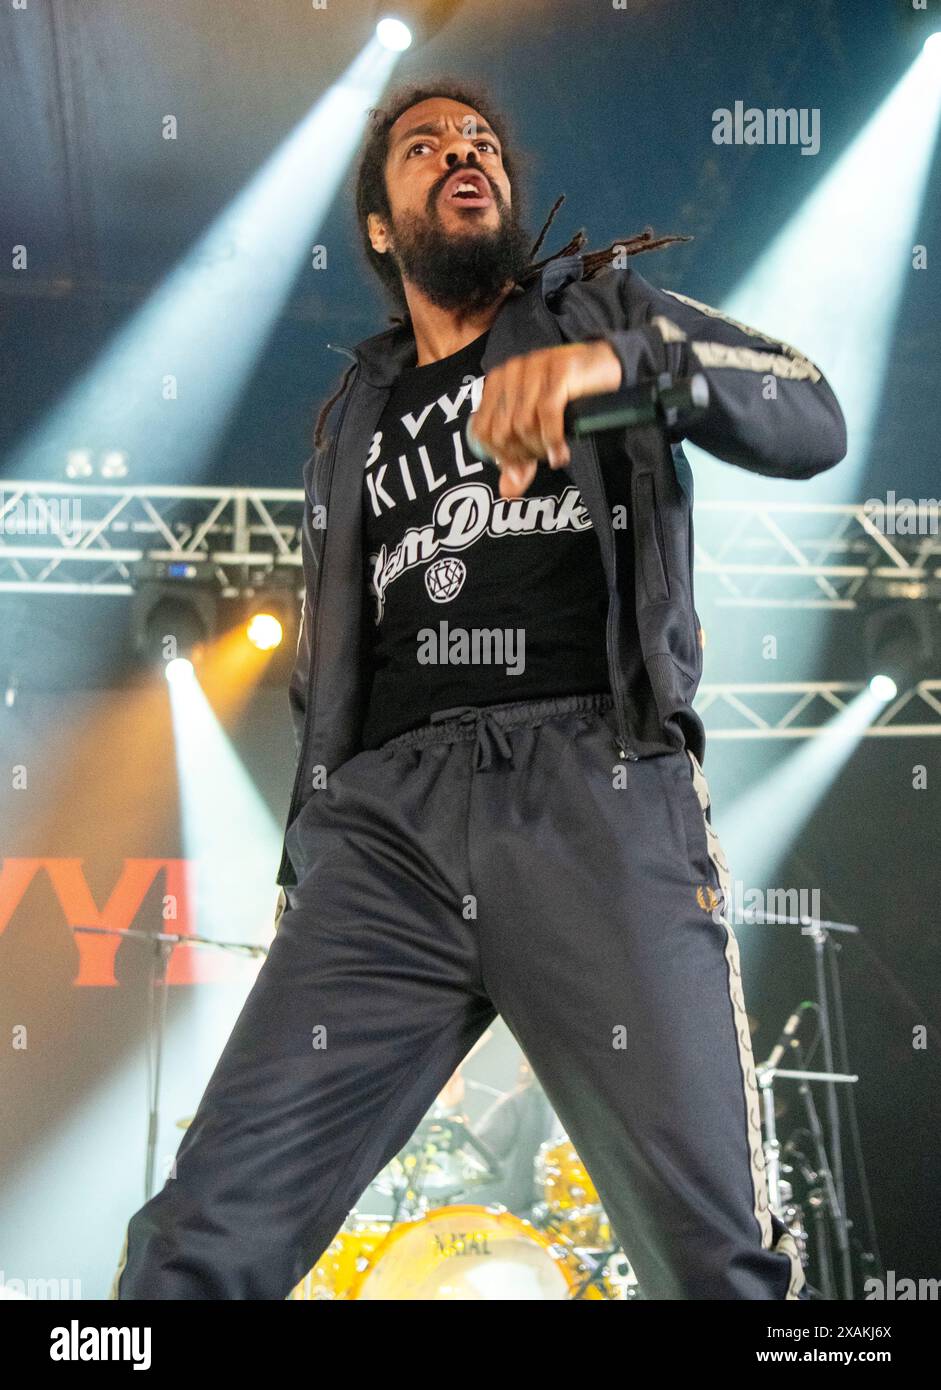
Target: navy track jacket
point(794, 431)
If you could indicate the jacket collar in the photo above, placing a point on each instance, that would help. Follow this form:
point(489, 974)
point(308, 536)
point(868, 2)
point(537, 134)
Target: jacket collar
point(383, 357)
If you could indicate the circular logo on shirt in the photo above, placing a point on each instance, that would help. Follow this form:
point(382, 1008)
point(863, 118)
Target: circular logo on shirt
point(445, 578)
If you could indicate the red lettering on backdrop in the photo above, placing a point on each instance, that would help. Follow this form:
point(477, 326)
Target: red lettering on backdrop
point(188, 965)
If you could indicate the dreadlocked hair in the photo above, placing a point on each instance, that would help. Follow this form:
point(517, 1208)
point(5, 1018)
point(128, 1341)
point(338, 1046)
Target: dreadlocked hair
point(593, 261)
point(372, 196)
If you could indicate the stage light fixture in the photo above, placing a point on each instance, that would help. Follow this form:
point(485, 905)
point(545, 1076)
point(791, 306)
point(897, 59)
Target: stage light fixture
point(393, 34)
point(263, 622)
point(265, 631)
point(179, 670)
point(78, 464)
point(114, 464)
point(172, 619)
point(400, 24)
point(900, 646)
point(884, 688)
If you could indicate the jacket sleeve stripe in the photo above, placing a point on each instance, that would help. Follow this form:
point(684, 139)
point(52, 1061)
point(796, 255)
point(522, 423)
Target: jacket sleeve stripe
point(808, 370)
point(796, 368)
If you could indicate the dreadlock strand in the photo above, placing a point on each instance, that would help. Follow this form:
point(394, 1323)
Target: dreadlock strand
point(593, 261)
point(569, 249)
point(547, 224)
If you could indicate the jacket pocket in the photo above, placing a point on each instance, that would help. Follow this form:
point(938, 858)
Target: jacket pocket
point(649, 539)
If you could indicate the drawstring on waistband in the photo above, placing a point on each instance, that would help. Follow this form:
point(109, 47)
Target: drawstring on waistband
point(491, 736)
point(488, 725)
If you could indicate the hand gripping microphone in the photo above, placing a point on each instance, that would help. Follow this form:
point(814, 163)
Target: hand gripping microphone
point(658, 401)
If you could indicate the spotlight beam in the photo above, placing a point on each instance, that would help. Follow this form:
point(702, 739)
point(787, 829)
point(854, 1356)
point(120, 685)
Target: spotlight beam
point(169, 380)
point(760, 827)
point(832, 279)
point(230, 838)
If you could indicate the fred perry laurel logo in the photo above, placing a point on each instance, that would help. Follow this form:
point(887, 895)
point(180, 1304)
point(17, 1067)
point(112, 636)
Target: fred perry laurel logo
point(445, 578)
point(707, 897)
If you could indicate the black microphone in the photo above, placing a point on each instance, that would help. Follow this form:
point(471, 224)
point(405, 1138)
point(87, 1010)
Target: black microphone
point(658, 401)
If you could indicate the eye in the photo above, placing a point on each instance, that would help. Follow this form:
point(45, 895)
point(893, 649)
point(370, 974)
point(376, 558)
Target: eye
point(419, 144)
point(490, 144)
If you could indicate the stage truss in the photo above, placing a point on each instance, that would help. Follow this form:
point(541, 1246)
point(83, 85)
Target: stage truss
point(93, 539)
point(801, 709)
point(86, 539)
point(817, 555)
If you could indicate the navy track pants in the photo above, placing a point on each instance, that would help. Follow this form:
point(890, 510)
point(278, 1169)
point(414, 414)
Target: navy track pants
point(498, 860)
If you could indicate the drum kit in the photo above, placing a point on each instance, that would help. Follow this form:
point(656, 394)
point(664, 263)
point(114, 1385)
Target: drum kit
point(465, 1252)
point(438, 1245)
point(453, 1252)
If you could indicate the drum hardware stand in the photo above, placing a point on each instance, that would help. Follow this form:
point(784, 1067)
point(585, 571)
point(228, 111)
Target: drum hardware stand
point(821, 934)
point(455, 1134)
point(163, 944)
point(596, 1262)
point(463, 1136)
point(593, 1260)
point(829, 1199)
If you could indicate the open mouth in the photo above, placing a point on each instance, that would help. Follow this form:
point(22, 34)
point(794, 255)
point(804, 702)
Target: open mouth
point(470, 190)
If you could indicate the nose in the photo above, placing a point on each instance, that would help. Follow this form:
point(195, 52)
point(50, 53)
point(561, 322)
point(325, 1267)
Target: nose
point(454, 157)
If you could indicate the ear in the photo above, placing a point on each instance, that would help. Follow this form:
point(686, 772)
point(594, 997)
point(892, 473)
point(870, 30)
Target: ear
point(378, 233)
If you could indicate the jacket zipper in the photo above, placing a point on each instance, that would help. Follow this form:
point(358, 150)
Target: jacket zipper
point(624, 746)
point(315, 646)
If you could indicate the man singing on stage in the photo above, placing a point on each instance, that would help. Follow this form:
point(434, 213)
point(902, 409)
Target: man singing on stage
point(499, 804)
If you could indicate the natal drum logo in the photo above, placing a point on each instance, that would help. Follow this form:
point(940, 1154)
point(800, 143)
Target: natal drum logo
point(445, 578)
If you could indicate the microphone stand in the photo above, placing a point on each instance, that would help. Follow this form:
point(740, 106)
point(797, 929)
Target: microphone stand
point(163, 944)
point(821, 933)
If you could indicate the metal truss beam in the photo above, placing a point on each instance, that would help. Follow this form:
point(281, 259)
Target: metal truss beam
point(817, 555)
point(91, 539)
point(806, 709)
point(748, 554)
point(99, 539)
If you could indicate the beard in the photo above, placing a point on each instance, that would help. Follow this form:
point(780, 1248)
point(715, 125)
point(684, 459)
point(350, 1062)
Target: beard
point(461, 270)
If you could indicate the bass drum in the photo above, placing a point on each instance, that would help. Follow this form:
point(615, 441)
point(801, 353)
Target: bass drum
point(466, 1253)
point(333, 1274)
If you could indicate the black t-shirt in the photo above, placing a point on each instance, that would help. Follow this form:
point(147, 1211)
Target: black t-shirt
point(473, 599)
